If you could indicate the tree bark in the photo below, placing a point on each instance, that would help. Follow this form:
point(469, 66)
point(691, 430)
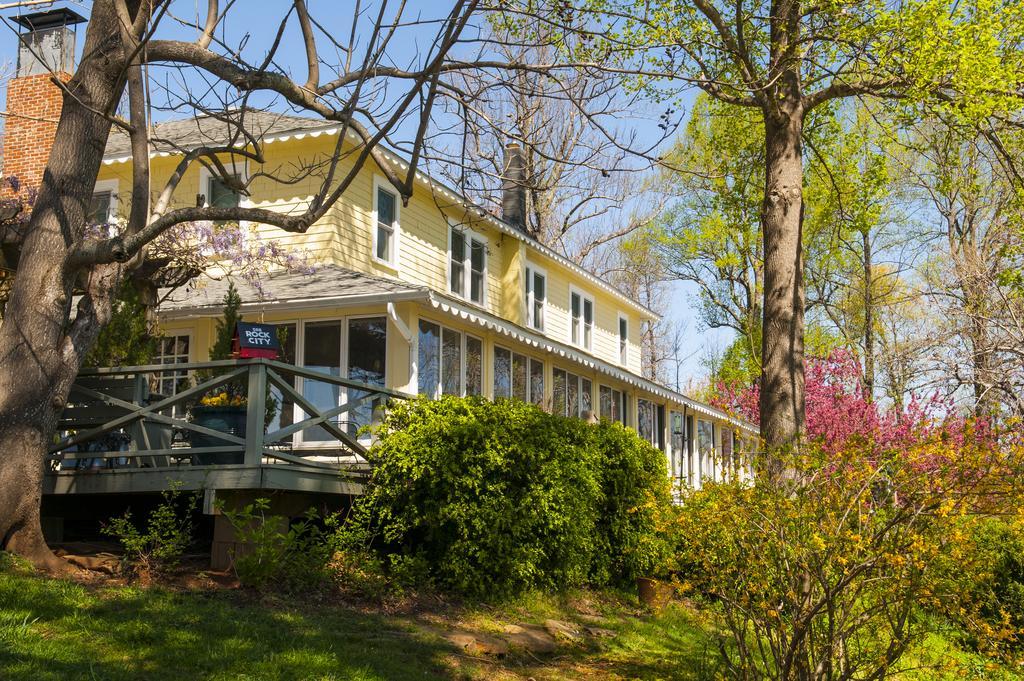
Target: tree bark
point(41, 348)
point(782, 334)
point(869, 320)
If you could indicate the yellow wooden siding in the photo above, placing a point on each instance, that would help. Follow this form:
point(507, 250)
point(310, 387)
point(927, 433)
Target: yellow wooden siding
point(344, 237)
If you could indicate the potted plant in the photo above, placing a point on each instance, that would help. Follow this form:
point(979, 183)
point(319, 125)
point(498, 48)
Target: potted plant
point(654, 593)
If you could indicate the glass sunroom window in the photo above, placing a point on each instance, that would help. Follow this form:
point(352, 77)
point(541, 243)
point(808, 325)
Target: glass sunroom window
point(429, 359)
point(474, 366)
point(321, 351)
point(367, 354)
point(451, 363)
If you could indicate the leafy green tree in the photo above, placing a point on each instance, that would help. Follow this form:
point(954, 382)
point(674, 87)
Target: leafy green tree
point(860, 243)
point(711, 234)
point(783, 59)
point(129, 338)
point(225, 325)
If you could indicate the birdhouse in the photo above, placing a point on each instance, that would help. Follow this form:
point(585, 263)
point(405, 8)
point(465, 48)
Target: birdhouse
point(255, 340)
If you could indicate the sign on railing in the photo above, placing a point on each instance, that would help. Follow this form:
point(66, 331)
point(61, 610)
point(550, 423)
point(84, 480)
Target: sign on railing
point(255, 340)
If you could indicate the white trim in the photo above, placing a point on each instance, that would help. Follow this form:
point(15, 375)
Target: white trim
point(380, 182)
point(530, 268)
point(403, 328)
point(584, 299)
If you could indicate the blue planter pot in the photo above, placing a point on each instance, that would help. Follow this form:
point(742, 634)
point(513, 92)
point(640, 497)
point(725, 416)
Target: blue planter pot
point(230, 420)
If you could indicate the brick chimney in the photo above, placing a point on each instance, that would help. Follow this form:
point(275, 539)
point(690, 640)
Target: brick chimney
point(513, 188)
point(46, 50)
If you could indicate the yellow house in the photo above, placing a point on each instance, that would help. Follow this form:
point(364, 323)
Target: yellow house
point(433, 297)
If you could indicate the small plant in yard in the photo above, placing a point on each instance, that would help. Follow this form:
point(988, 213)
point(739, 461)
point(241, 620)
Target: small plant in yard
point(289, 556)
point(168, 532)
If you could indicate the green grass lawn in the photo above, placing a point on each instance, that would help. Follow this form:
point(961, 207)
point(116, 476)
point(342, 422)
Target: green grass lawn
point(56, 629)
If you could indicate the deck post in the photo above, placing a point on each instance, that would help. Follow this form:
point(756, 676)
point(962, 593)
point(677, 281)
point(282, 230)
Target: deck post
point(256, 413)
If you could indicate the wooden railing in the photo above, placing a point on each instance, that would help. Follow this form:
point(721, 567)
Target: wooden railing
point(115, 405)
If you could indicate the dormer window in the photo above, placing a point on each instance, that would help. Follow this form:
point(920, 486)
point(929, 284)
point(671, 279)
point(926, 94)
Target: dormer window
point(536, 297)
point(385, 230)
point(467, 256)
point(581, 306)
point(218, 191)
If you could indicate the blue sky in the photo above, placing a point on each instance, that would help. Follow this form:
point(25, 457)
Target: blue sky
point(335, 15)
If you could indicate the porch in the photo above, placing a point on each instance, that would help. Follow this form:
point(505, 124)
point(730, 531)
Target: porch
point(121, 437)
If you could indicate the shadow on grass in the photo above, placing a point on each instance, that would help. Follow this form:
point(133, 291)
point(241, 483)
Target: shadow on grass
point(676, 645)
point(52, 629)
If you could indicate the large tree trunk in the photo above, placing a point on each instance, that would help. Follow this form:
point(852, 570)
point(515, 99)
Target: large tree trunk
point(41, 349)
point(782, 333)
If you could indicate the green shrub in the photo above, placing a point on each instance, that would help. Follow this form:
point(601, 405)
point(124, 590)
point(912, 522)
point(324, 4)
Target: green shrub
point(989, 605)
point(293, 557)
point(633, 508)
point(167, 535)
point(489, 499)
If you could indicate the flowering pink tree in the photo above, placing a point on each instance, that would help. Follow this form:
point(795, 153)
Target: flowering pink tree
point(839, 413)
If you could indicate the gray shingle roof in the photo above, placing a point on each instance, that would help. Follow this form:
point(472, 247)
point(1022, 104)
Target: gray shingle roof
point(188, 133)
point(327, 284)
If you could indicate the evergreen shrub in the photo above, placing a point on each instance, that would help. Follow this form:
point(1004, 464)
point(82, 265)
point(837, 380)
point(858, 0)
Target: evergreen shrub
point(493, 498)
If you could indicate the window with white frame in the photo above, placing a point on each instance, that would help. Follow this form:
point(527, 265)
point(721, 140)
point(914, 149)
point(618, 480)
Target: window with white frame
point(467, 265)
point(518, 376)
point(353, 347)
point(623, 339)
point(536, 296)
point(677, 445)
point(571, 395)
point(385, 230)
point(222, 191)
point(728, 464)
point(449, 362)
point(103, 205)
point(581, 307)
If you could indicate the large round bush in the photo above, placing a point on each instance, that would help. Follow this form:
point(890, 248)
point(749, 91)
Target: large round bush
point(489, 499)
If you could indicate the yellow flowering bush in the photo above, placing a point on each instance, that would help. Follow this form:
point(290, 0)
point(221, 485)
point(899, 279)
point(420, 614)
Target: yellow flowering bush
point(824, 573)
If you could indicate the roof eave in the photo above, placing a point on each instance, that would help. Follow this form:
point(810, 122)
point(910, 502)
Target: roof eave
point(279, 305)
